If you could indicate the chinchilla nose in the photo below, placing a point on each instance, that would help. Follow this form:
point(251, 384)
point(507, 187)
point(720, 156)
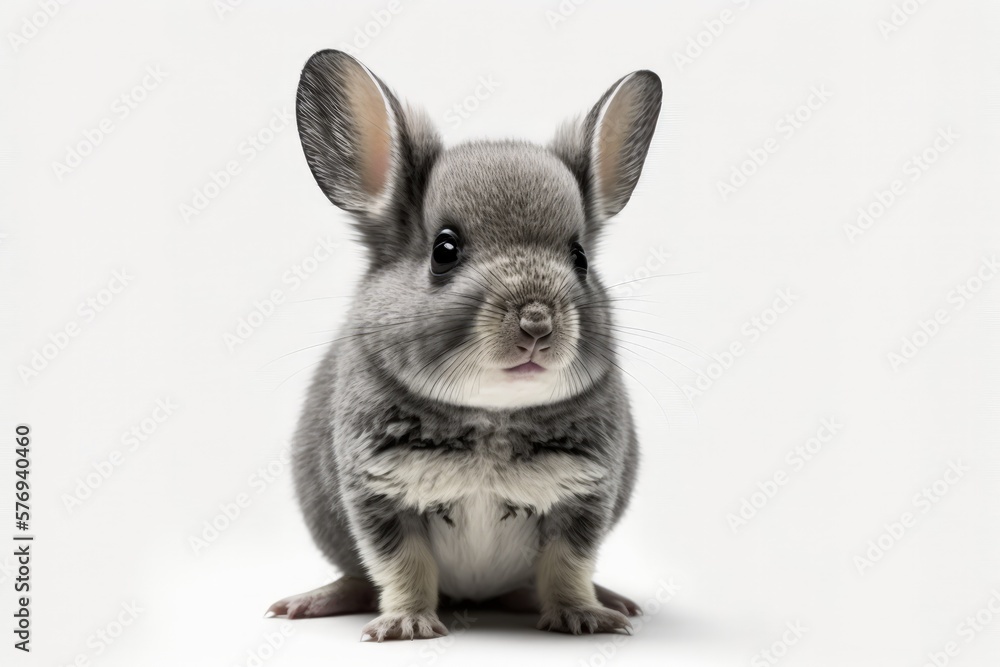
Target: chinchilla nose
point(536, 325)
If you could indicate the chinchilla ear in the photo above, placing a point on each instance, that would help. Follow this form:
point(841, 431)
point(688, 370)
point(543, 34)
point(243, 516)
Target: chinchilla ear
point(606, 149)
point(369, 155)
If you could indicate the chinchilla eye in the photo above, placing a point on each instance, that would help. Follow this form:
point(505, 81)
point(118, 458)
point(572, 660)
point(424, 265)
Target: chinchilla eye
point(446, 253)
point(579, 258)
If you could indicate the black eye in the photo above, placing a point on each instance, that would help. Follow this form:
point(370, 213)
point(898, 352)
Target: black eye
point(446, 253)
point(579, 258)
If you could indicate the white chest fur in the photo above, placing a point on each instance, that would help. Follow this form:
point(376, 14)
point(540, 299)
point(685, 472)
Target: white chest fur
point(480, 555)
point(423, 478)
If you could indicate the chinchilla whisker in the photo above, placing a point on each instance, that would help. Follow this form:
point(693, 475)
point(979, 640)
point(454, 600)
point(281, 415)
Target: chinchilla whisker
point(387, 324)
point(478, 278)
point(618, 298)
point(356, 334)
point(326, 343)
point(669, 379)
point(424, 336)
point(479, 300)
point(498, 282)
point(443, 369)
point(378, 328)
point(661, 338)
point(577, 377)
point(622, 343)
point(459, 314)
point(323, 298)
point(622, 346)
point(658, 276)
point(611, 361)
point(469, 357)
point(315, 363)
point(616, 308)
point(485, 304)
point(439, 362)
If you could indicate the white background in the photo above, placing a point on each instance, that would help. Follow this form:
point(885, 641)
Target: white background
point(190, 282)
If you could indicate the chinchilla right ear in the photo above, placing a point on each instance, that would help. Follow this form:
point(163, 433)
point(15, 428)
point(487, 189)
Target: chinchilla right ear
point(370, 156)
point(606, 149)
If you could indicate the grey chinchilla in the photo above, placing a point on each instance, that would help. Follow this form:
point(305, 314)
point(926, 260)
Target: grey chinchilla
point(468, 435)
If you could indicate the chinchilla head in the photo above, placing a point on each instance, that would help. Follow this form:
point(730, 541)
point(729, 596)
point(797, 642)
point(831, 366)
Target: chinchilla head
point(481, 289)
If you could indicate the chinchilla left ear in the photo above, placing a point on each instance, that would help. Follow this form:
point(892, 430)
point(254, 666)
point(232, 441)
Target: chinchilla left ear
point(606, 149)
point(369, 155)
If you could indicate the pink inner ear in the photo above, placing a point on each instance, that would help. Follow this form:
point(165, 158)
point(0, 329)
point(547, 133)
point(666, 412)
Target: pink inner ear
point(374, 133)
point(611, 140)
point(377, 171)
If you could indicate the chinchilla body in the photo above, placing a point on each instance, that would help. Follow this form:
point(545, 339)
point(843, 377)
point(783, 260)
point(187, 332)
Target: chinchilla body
point(468, 433)
point(481, 483)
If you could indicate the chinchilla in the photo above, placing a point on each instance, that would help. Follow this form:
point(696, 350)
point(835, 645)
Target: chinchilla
point(468, 438)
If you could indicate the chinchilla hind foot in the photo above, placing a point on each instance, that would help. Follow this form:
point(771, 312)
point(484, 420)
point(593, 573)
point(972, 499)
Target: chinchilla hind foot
point(347, 595)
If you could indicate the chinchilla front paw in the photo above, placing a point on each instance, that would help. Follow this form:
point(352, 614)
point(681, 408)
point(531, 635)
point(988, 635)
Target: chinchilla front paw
point(584, 619)
point(405, 625)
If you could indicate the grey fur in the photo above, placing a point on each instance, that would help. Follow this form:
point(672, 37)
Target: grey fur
point(400, 443)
